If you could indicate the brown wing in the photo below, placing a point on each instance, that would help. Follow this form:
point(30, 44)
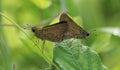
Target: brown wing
point(73, 29)
point(55, 32)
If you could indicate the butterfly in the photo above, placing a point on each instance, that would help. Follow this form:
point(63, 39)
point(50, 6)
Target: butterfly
point(52, 33)
point(66, 28)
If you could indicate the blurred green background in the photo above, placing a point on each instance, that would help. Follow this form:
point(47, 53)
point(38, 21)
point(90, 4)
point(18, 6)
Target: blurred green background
point(100, 17)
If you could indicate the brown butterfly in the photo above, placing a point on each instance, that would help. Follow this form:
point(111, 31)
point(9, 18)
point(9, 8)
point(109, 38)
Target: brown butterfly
point(66, 28)
point(52, 33)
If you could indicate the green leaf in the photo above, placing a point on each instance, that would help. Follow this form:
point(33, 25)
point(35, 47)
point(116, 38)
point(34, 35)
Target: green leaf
point(101, 41)
point(71, 55)
point(110, 56)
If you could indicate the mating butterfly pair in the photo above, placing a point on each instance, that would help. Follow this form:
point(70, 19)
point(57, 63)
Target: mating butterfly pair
point(66, 28)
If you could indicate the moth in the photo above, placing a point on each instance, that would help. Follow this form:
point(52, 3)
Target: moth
point(66, 28)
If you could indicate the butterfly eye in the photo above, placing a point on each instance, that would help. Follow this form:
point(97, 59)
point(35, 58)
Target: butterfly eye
point(33, 30)
point(87, 34)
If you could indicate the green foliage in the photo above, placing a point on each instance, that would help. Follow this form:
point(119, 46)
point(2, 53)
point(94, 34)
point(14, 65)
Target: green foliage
point(4, 54)
point(76, 57)
point(100, 17)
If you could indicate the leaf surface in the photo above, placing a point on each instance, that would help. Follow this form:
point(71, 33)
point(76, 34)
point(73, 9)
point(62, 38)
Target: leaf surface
point(71, 55)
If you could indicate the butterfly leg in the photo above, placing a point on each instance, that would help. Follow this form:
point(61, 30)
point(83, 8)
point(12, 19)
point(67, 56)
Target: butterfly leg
point(43, 44)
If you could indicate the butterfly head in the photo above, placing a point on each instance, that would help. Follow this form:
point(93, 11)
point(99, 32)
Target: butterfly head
point(34, 29)
point(83, 34)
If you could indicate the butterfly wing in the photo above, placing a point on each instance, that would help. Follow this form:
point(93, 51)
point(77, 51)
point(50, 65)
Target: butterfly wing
point(55, 32)
point(73, 29)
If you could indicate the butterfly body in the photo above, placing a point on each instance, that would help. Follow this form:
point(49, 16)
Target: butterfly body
point(53, 33)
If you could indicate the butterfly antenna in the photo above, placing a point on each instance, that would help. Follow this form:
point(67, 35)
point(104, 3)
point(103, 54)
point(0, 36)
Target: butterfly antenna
point(94, 31)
